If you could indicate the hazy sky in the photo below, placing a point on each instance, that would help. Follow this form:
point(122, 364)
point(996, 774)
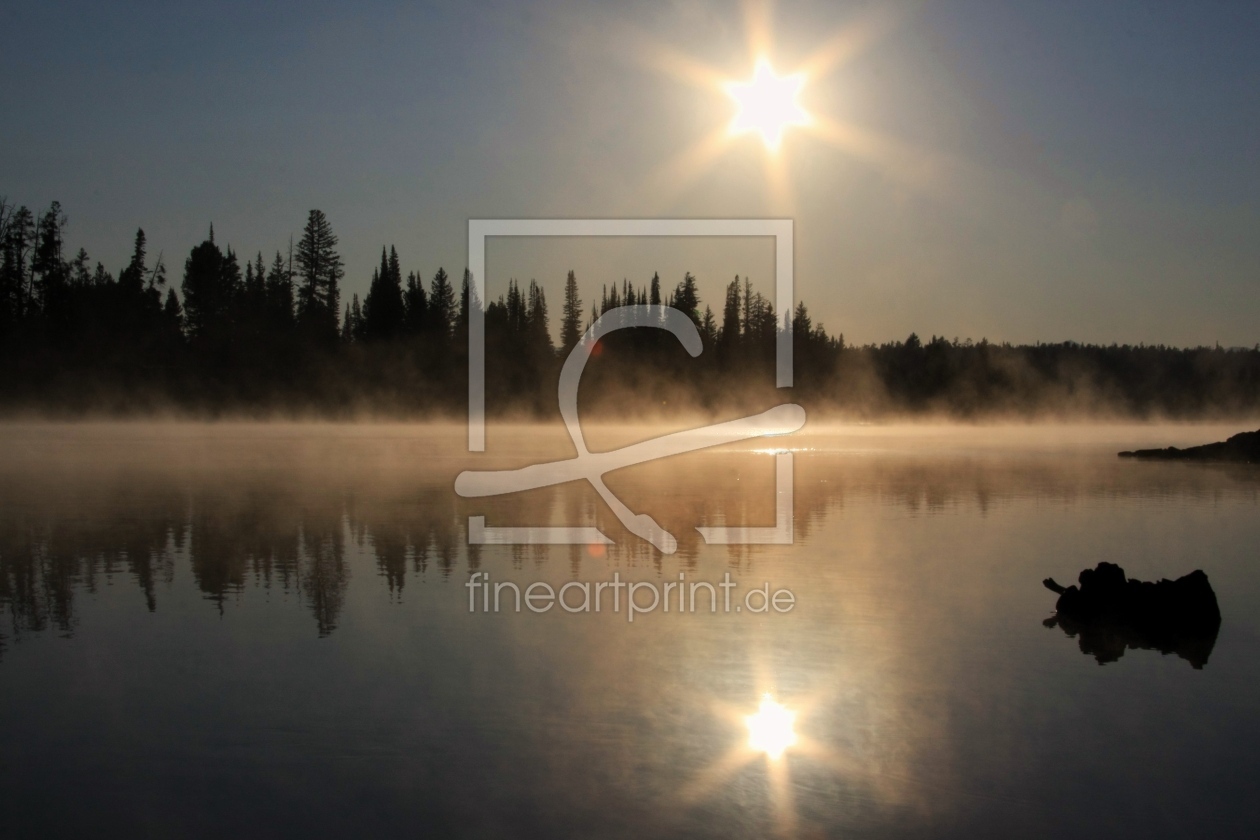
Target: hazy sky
point(1024, 171)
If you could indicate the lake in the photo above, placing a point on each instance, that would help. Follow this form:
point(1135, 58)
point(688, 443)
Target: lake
point(263, 630)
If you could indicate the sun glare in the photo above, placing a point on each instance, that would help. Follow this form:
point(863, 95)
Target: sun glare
point(767, 104)
point(770, 729)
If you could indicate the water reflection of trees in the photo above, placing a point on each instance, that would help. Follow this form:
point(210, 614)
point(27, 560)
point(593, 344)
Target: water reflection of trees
point(68, 536)
point(55, 545)
point(47, 552)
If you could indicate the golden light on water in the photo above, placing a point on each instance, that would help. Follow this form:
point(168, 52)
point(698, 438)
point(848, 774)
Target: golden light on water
point(767, 104)
point(770, 730)
point(771, 734)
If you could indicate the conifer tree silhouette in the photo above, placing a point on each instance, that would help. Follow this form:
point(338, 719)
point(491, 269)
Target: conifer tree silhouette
point(319, 270)
point(571, 322)
point(243, 337)
point(441, 305)
point(383, 309)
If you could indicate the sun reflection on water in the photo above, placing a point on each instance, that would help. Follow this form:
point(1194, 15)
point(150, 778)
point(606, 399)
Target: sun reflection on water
point(770, 730)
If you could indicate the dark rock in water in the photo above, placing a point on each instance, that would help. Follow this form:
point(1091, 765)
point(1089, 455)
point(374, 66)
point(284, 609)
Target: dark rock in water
point(1244, 447)
point(1111, 613)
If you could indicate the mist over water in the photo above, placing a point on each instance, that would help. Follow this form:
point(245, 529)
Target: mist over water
point(216, 629)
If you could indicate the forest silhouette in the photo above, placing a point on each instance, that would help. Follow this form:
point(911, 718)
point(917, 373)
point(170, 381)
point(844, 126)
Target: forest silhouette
point(258, 337)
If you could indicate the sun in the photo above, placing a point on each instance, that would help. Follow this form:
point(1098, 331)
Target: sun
point(770, 729)
point(767, 104)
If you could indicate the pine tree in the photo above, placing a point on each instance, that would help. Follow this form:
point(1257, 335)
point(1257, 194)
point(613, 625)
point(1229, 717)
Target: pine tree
point(279, 292)
point(319, 267)
point(249, 313)
point(47, 262)
point(538, 328)
point(80, 275)
point(730, 315)
point(415, 306)
point(514, 306)
point(395, 272)
point(256, 286)
point(260, 270)
point(352, 325)
point(383, 309)
point(687, 298)
point(207, 289)
point(467, 300)
point(571, 322)
point(173, 312)
point(746, 321)
point(708, 328)
point(131, 279)
point(233, 284)
point(441, 304)
point(802, 324)
point(17, 233)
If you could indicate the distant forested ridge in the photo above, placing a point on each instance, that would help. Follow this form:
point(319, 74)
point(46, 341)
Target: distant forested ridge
point(272, 336)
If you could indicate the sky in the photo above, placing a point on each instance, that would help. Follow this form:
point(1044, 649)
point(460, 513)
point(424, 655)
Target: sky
point(1025, 171)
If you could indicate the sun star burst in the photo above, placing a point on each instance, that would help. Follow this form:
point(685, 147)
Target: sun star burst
point(767, 104)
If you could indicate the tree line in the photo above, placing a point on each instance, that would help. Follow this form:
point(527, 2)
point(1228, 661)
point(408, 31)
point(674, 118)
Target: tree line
point(264, 336)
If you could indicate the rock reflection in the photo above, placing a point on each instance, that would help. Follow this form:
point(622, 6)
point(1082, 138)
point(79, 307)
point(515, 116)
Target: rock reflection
point(1111, 612)
point(1107, 641)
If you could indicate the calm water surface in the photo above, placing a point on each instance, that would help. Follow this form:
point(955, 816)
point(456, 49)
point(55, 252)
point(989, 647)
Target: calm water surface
point(263, 631)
